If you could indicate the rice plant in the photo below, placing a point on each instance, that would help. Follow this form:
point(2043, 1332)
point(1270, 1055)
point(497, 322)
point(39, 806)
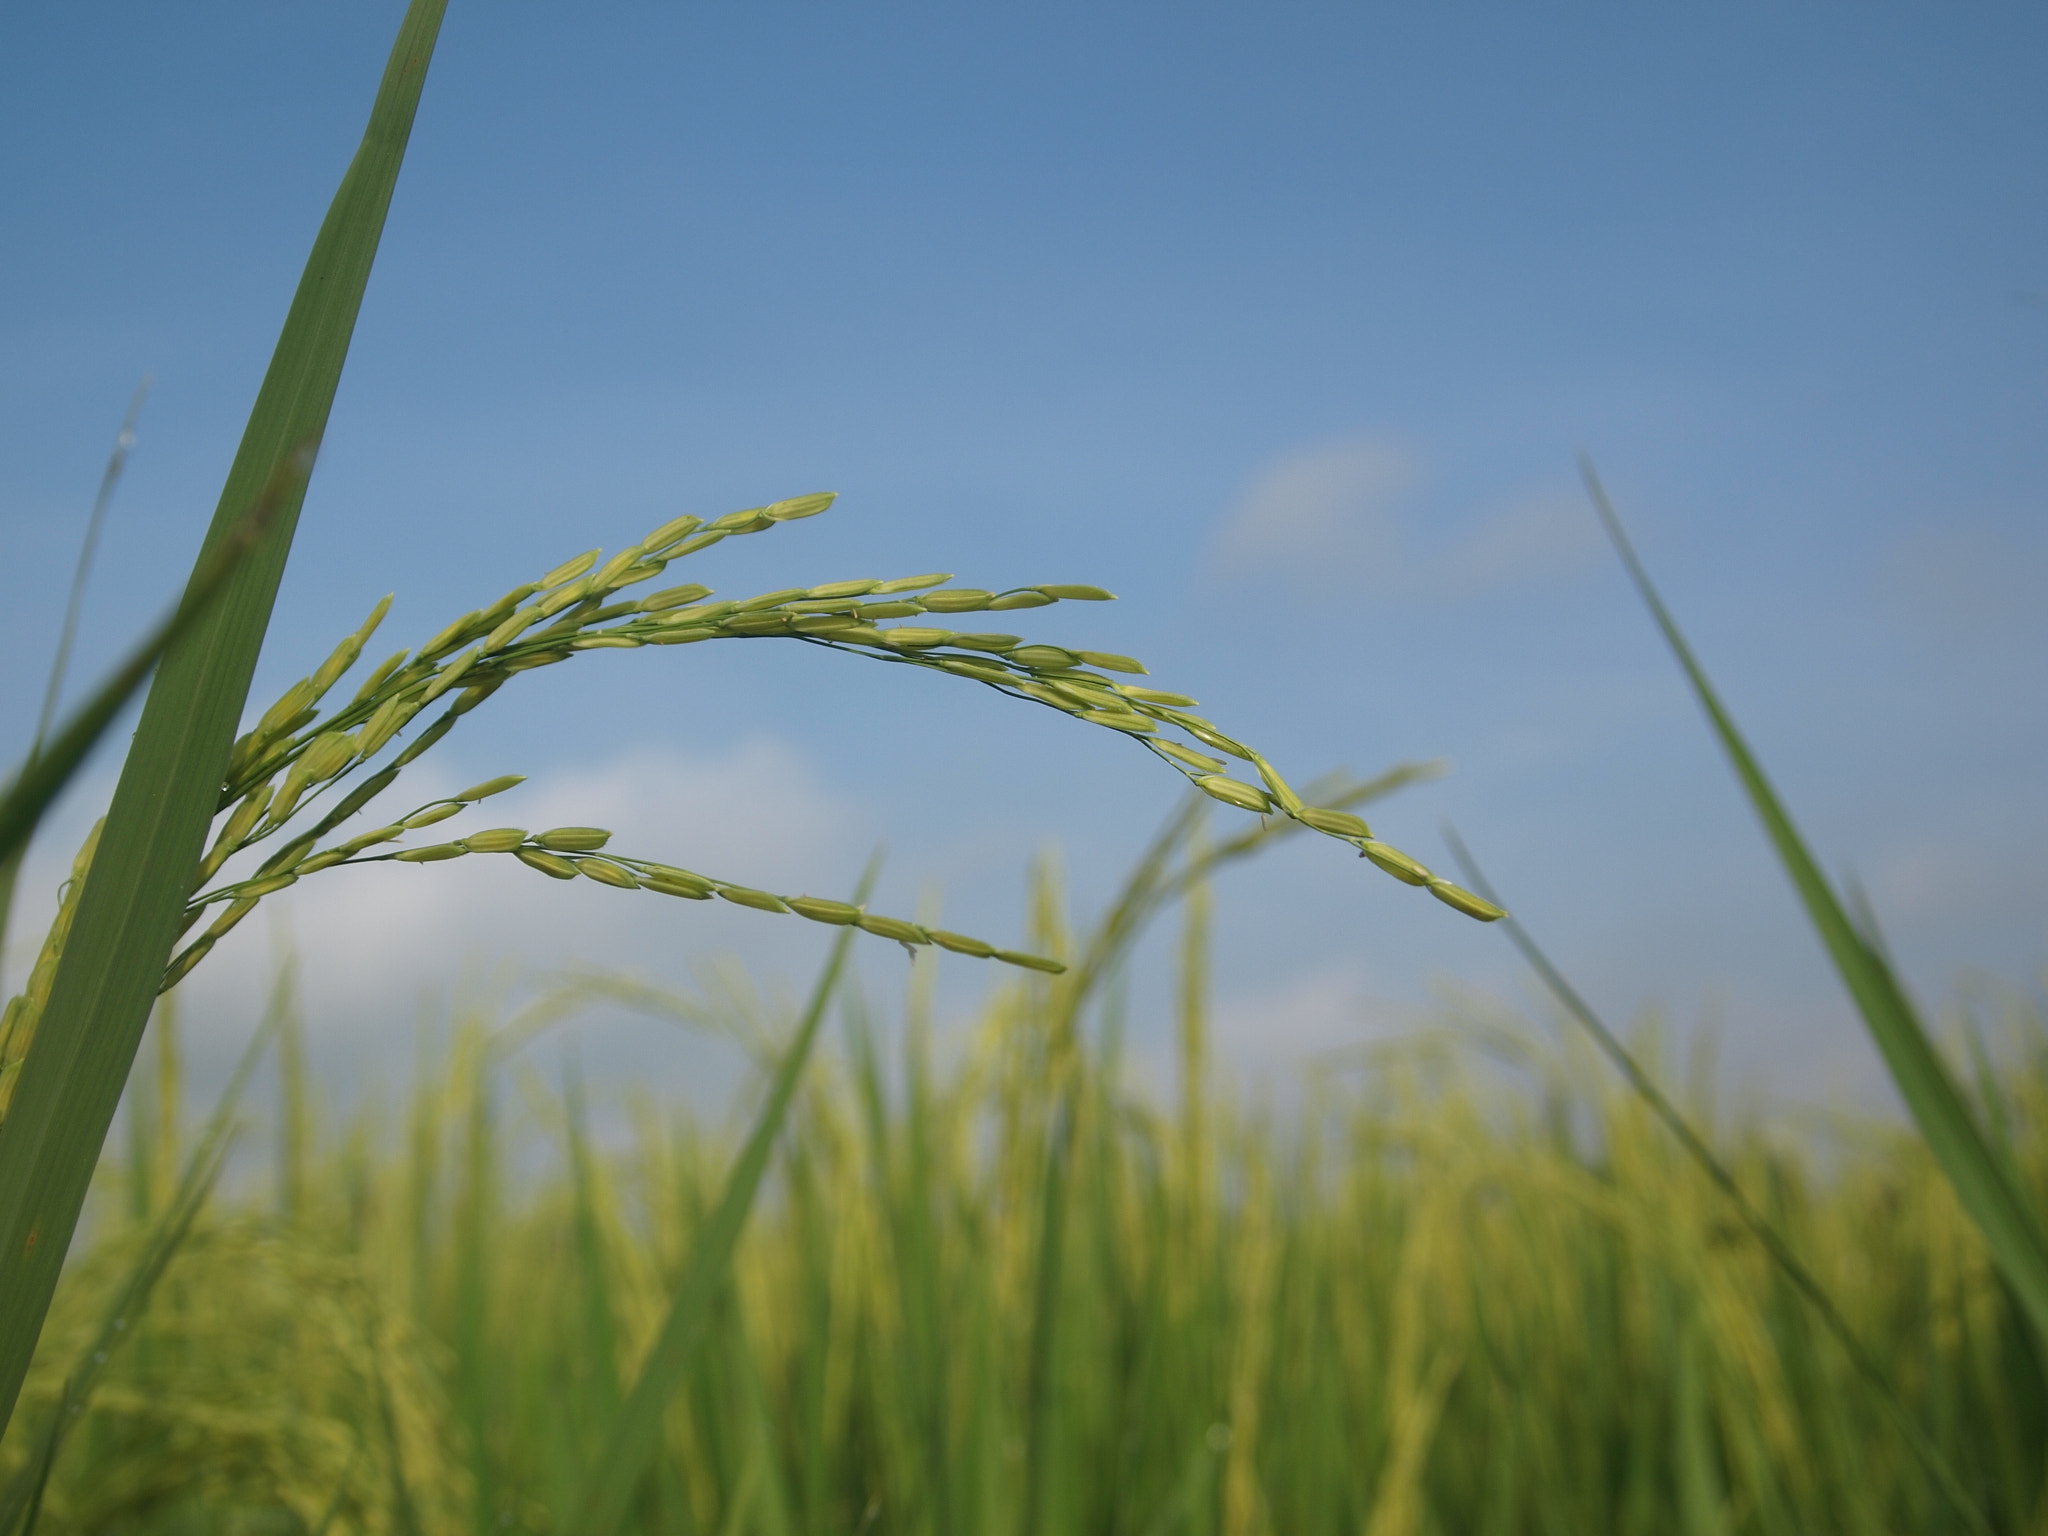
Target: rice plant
point(1436, 1297)
point(1009, 1294)
point(66, 1044)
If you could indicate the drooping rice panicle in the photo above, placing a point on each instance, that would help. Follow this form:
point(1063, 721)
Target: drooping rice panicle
point(293, 758)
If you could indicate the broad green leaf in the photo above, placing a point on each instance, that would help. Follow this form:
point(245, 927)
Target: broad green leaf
point(1995, 1203)
point(169, 788)
point(636, 1429)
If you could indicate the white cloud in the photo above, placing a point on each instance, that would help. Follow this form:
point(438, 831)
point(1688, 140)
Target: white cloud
point(1967, 576)
point(1271, 1036)
point(1529, 538)
point(1329, 508)
point(1349, 511)
point(373, 941)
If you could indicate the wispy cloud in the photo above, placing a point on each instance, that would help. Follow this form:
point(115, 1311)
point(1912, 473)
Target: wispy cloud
point(1355, 513)
point(1968, 577)
point(1540, 537)
point(1276, 1033)
point(1330, 508)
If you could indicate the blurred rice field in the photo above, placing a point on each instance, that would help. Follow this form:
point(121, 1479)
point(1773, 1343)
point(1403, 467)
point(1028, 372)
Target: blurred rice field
point(997, 1287)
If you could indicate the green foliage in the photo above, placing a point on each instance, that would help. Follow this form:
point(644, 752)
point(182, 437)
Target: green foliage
point(166, 1231)
point(1008, 1295)
point(1425, 1303)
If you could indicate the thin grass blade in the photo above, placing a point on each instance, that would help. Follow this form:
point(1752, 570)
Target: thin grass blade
point(60, 662)
point(593, 1263)
point(170, 785)
point(1997, 1205)
point(88, 547)
point(45, 1459)
point(167, 1235)
point(334, 1505)
point(1780, 1251)
point(634, 1433)
point(50, 767)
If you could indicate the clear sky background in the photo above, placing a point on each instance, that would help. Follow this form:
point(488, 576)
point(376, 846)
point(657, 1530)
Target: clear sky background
point(1282, 321)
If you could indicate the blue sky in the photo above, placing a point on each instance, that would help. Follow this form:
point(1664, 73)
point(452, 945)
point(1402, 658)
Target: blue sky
point(1283, 322)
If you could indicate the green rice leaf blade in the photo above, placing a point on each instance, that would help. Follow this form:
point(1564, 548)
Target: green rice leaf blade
point(170, 785)
point(1994, 1202)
